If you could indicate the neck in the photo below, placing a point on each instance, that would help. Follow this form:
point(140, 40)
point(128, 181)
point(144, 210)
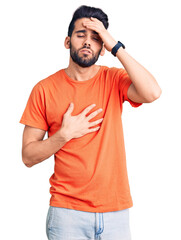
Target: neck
point(78, 73)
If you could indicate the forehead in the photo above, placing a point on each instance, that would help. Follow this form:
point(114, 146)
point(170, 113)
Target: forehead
point(78, 25)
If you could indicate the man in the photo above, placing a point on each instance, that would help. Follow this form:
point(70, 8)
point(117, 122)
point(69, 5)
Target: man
point(81, 107)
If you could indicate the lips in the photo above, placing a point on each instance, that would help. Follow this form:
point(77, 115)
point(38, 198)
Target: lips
point(85, 51)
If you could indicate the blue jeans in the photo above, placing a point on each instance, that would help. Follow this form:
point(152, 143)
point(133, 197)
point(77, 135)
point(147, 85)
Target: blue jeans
point(70, 224)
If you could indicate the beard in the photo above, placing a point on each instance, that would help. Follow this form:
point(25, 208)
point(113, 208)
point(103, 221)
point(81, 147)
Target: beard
point(83, 61)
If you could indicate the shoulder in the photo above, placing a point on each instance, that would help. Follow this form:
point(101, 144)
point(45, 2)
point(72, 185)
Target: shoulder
point(113, 71)
point(49, 81)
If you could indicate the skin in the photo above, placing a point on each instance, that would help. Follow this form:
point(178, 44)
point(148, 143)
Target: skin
point(92, 39)
point(81, 40)
point(144, 87)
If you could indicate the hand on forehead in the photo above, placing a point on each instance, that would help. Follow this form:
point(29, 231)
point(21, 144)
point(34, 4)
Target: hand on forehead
point(91, 20)
point(94, 24)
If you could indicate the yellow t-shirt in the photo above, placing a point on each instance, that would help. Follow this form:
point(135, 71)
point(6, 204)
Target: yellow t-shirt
point(90, 172)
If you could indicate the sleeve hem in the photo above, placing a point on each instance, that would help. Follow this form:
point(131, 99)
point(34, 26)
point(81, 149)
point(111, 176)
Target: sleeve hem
point(33, 124)
point(133, 104)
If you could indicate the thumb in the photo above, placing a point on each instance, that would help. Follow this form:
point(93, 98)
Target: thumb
point(70, 108)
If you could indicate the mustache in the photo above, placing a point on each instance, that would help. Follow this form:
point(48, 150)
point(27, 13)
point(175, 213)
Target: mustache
point(85, 47)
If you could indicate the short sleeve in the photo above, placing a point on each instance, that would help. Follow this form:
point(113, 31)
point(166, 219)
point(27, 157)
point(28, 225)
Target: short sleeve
point(124, 83)
point(34, 114)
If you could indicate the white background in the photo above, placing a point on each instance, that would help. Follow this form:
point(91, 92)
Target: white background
point(31, 48)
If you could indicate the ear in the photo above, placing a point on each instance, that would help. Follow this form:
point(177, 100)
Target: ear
point(67, 42)
point(103, 50)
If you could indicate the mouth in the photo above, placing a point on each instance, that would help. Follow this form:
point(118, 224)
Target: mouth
point(85, 51)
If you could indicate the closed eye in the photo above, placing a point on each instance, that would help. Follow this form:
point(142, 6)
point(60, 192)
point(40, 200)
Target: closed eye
point(96, 39)
point(79, 36)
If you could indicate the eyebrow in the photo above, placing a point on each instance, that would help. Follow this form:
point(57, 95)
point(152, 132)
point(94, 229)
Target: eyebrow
point(84, 31)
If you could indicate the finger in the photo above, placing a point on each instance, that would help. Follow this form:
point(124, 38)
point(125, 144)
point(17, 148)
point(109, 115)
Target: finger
point(86, 22)
point(86, 110)
point(97, 21)
point(90, 23)
point(94, 19)
point(92, 115)
point(96, 122)
point(92, 27)
point(94, 129)
point(70, 109)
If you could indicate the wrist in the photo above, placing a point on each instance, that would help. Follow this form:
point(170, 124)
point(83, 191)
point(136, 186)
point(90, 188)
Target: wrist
point(113, 43)
point(63, 135)
point(119, 45)
point(109, 41)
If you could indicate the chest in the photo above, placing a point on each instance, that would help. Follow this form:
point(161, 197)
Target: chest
point(102, 93)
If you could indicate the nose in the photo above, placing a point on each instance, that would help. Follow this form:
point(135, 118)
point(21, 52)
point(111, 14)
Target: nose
point(87, 43)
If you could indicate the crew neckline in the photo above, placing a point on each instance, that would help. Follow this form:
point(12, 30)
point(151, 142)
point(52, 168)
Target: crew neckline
point(81, 82)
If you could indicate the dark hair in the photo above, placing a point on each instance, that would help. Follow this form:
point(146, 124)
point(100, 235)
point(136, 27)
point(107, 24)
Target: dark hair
point(87, 12)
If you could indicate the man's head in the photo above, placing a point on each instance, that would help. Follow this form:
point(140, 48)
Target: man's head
point(85, 45)
point(87, 12)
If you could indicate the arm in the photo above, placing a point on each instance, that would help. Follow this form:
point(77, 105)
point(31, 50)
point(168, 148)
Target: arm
point(35, 149)
point(144, 87)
